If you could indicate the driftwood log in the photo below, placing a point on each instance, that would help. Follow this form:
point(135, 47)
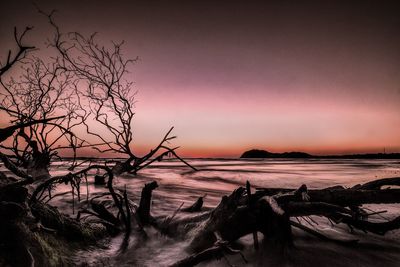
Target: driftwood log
point(196, 206)
point(269, 211)
point(145, 203)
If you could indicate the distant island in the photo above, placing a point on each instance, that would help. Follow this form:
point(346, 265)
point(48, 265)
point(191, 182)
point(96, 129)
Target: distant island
point(258, 153)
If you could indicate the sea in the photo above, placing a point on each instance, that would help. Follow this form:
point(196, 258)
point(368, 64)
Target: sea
point(180, 186)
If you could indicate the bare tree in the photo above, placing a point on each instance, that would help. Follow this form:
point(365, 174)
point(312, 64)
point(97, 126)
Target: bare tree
point(19, 55)
point(42, 110)
point(109, 96)
point(42, 107)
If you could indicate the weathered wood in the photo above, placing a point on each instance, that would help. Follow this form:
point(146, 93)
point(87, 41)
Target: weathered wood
point(196, 206)
point(342, 197)
point(145, 202)
point(249, 205)
point(14, 193)
point(9, 131)
point(104, 214)
point(379, 228)
point(205, 235)
point(99, 180)
point(377, 184)
point(270, 213)
point(10, 210)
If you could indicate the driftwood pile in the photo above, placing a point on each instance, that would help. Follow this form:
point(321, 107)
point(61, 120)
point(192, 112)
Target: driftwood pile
point(272, 212)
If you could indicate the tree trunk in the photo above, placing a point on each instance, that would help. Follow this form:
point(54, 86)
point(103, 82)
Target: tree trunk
point(145, 202)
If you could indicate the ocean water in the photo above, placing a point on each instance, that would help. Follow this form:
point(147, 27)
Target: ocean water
point(217, 177)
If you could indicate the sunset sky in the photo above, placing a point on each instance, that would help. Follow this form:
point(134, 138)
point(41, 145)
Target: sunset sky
point(321, 76)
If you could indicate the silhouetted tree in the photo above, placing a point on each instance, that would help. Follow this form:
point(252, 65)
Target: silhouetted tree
point(19, 54)
point(34, 103)
point(44, 90)
point(109, 96)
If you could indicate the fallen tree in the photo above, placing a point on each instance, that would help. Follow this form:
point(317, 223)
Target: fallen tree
point(271, 211)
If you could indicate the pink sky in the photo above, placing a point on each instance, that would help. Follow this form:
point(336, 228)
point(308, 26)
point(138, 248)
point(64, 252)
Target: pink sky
point(322, 79)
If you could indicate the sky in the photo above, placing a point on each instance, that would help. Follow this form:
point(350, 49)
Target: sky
point(316, 76)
